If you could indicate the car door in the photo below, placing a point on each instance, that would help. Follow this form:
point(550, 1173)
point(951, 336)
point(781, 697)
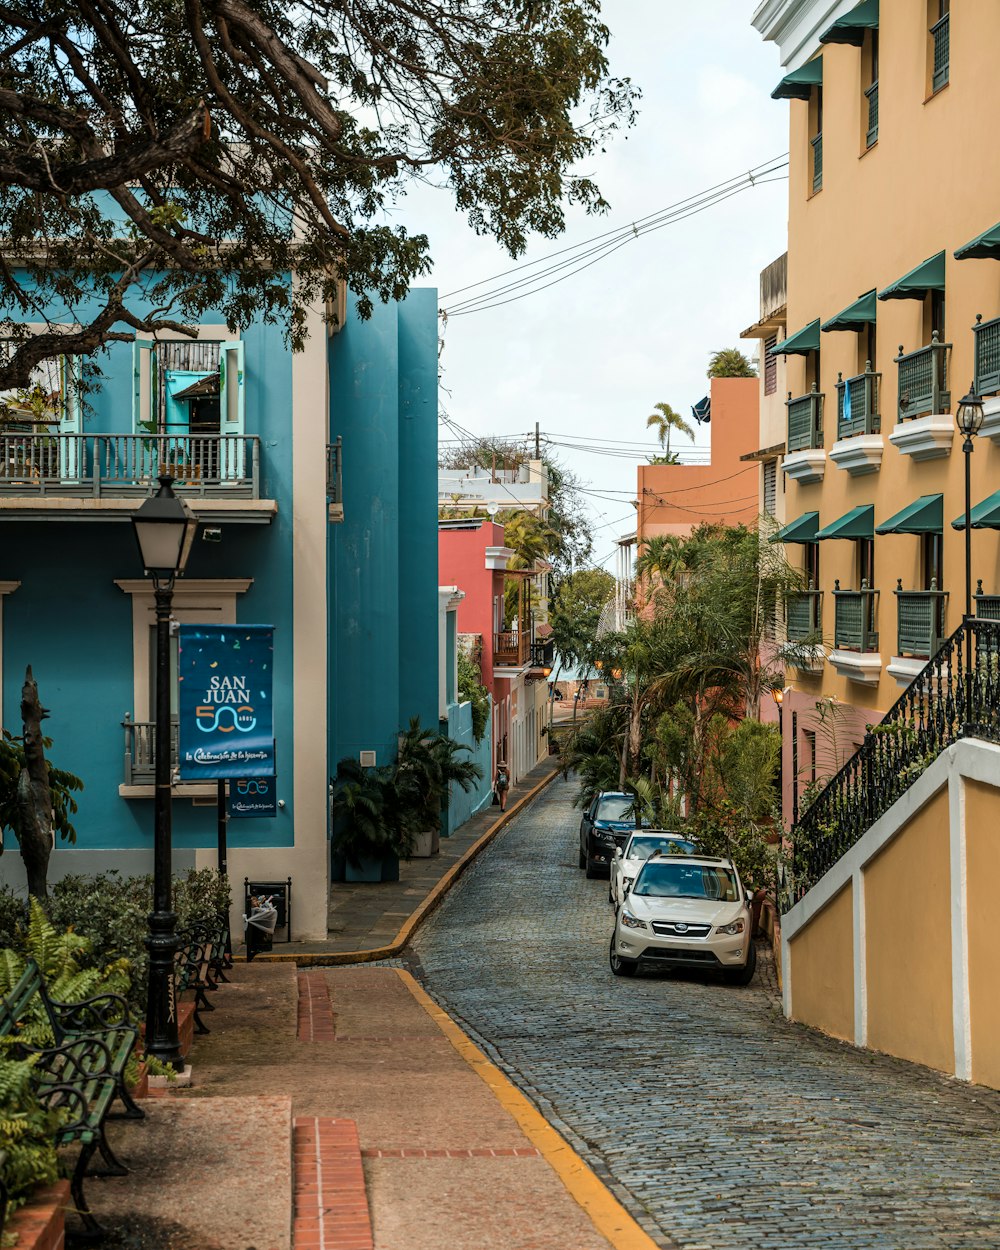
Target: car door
point(585, 824)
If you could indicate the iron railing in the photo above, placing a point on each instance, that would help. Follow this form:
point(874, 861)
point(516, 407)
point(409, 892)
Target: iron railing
point(855, 619)
point(335, 472)
point(511, 648)
point(817, 147)
point(805, 420)
point(140, 751)
point(542, 653)
point(923, 380)
point(857, 403)
point(871, 133)
point(987, 340)
point(919, 620)
point(218, 465)
point(941, 34)
point(956, 695)
point(803, 615)
point(987, 606)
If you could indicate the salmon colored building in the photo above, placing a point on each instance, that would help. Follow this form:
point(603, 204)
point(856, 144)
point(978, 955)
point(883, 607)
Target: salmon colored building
point(674, 498)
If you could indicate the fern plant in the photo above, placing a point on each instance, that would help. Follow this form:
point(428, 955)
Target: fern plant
point(27, 1134)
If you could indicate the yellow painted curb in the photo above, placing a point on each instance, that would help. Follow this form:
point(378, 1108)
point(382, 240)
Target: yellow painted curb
point(606, 1213)
point(422, 911)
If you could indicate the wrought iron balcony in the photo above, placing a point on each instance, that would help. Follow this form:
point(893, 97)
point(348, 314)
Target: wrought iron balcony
point(817, 148)
point(858, 403)
point(923, 380)
point(871, 133)
point(920, 620)
point(987, 341)
point(121, 465)
point(803, 615)
point(941, 34)
point(855, 619)
point(542, 653)
point(805, 420)
point(140, 751)
point(987, 606)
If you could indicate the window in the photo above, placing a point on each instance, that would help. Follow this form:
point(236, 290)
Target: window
point(816, 139)
point(932, 555)
point(770, 486)
point(810, 553)
point(867, 346)
point(869, 111)
point(939, 44)
point(151, 661)
point(770, 365)
point(866, 561)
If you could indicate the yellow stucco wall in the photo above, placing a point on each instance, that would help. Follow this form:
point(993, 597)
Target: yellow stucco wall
point(822, 959)
point(879, 214)
point(982, 849)
point(908, 941)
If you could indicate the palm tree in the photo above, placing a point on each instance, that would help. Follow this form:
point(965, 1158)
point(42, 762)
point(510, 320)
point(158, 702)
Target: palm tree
point(729, 362)
point(664, 419)
point(663, 554)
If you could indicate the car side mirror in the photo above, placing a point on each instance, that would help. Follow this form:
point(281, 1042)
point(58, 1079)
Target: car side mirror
point(618, 852)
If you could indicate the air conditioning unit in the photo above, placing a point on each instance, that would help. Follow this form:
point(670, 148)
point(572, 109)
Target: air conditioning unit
point(367, 759)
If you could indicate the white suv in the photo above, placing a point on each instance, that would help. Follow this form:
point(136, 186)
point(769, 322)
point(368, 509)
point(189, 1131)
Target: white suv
point(685, 911)
point(629, 859)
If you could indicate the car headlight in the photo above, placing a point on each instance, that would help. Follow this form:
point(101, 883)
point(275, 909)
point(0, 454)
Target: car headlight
point(631, 922)
point(736, 927)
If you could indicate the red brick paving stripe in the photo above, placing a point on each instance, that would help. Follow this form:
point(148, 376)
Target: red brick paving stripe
point(331, 1207)
point(316, 1022)
point(413, 1152)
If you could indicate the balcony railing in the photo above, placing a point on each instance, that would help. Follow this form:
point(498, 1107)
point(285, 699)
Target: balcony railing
point(218, 465)
point(941, 34)
point(987, 340)
point(854, 619)
point(923, 380)
point(871, 134)
point(858, 403)
point(511, 649)
point(542, 653)
point(803, 615)
point(335, 472)
point(920, 620)
point(140, 751)
point(817, 147)
point(987, 606)
point(805, 420)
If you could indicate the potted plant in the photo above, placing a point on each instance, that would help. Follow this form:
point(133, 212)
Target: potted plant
point(367, 828)
point(428, 763)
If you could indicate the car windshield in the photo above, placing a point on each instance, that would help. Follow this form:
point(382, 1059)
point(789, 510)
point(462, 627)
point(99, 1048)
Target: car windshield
point(615, 807)
point(643, 847)
point(676, 879)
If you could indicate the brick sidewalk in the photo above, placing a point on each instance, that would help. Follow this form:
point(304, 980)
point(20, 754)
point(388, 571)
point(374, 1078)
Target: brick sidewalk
point(367, 916)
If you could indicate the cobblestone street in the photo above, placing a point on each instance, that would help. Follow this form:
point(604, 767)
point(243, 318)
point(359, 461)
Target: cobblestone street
point(720, 1125)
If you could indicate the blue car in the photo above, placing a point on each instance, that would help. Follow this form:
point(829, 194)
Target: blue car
point(606, 824)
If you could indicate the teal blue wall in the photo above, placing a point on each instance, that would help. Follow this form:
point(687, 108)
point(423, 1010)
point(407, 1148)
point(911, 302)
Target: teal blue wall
point(383, 659)
point(461, 805)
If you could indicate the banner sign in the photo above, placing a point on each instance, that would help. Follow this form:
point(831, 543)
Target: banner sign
point(253, 796)
point(226, 721)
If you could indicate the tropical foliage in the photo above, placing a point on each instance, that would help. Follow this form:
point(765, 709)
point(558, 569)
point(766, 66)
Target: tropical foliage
point(729, 362)
point(471, 690)
point(27, 1134)
point(62, 784)
point(663, 421)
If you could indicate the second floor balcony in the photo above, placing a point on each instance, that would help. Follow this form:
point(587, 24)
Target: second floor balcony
point(803, 616)
point(855, 619)
point(920, 620)
point(805, 420)
point(922, 380)
point(987, 606)
point(987, 356)
point(858, 403)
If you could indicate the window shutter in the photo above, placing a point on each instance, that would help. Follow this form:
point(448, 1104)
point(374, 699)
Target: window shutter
point(770, 486)
point(770, 366)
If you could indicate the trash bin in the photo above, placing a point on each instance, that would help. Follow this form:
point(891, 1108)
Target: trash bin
point(259, 926)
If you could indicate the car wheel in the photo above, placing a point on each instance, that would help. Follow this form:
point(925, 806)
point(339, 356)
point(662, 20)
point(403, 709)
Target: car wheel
point(583, 859)
point(621, 967)
point(744, 975)
point(592, 872)
point(611, 895)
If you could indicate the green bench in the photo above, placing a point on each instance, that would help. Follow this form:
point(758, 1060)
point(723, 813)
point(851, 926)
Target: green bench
point(82, 1074)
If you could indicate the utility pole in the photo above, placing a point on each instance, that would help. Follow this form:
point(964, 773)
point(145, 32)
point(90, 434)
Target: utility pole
point(538, 445)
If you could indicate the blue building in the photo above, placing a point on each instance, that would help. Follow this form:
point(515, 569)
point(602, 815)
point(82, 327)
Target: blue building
point(314, 478)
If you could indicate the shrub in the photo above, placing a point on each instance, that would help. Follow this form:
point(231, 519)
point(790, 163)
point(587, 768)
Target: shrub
point(13, 917)
point(27, 1133)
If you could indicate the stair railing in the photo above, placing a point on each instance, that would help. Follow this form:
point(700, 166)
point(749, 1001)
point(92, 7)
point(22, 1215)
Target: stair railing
point(955, 695)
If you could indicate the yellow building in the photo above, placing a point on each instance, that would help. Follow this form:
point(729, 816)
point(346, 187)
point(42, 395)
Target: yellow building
point(893, 311)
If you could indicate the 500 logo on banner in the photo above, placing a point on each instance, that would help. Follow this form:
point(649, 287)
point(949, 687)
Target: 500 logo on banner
point(226, 724)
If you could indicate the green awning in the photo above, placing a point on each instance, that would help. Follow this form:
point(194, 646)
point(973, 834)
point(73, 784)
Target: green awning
point(914, 285)
point(801, 530)
point(985, 246)
point(855, 316)
point(801, 343)
point(852, 26)
point(799, 83)
point(858, 523)
point(985, 515)
point(924, 516)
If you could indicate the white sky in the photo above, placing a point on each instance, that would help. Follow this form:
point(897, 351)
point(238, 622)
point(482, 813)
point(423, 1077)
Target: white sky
point(591, 355)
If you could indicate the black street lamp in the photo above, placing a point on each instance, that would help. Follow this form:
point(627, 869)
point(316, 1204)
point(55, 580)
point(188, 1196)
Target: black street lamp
point(969, 419)
point(164, 529)
point(778, 695)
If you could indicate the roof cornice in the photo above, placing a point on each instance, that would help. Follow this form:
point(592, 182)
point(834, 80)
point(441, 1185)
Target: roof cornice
point(796, 25)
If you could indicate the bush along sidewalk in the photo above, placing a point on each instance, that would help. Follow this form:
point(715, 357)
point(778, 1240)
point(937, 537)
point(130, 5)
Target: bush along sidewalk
point(382, 815)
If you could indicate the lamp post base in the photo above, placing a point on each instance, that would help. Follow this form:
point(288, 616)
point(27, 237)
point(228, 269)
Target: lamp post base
point(162, 1040)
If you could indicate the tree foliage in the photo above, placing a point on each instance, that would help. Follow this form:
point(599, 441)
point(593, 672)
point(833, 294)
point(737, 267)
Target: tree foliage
point(471, 690)
point(577, 606)
point(163, 159)
point(729, 362)
point(663, 420)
